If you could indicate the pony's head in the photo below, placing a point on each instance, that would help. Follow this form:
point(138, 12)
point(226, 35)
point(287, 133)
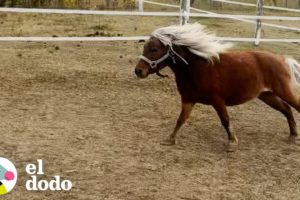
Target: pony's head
point(155, 57)
point(159, 52)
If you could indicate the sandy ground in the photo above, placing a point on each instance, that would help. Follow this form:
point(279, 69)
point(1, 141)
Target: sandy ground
point(79, 107)
point(82, 111)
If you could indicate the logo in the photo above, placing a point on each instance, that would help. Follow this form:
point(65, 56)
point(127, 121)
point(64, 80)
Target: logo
point(36, 184)
point(8, 176)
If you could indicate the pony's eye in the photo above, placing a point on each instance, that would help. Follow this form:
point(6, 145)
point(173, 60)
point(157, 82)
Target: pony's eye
point(154, 50)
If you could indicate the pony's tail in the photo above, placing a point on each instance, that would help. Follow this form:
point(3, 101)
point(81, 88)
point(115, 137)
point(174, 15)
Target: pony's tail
point(294, 70)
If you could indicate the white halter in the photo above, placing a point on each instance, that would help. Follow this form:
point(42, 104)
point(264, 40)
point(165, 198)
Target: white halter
point(153, 64)
point(171, 53)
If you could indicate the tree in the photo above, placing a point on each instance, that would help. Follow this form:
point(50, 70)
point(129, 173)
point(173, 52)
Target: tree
point(2, 3)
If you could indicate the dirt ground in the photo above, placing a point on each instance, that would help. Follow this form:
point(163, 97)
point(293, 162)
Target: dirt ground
point(80, 108)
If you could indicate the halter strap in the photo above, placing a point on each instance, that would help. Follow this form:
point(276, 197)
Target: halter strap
point(171, 53)
point(153, 64)
point(177, 54)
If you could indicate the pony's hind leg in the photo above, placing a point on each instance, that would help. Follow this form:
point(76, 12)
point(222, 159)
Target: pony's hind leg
point(284, 90)
point(286, 94)
point(291, 99)
point(275, 102)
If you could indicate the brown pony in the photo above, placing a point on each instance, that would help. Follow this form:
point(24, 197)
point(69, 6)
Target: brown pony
point(205, 73)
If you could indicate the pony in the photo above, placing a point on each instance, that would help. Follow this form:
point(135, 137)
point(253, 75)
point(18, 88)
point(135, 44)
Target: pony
point(207, 72)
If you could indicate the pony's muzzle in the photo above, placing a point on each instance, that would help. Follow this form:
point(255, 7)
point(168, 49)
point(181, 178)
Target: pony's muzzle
point(139, 72)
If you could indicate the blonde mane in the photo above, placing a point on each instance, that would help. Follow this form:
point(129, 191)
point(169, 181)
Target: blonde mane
point(195, 37)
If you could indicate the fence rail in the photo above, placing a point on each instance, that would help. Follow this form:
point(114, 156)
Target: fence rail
point(254, 5)
point(233, 18)
point(130, 38)
point(203, 14)
point(137, 13)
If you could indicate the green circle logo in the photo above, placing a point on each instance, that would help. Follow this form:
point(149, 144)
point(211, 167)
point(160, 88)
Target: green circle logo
point(8, 176)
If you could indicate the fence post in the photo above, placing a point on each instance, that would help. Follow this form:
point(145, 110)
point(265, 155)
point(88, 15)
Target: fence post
point(184, 11)
point(259, 11)
point(141, 5)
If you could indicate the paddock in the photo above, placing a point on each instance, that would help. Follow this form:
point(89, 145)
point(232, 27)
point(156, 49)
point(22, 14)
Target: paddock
point(80, 108)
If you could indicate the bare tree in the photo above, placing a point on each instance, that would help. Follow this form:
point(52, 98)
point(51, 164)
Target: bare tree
point(2, 3)
point(111, 4)
point(273, 2)
point(13, 3)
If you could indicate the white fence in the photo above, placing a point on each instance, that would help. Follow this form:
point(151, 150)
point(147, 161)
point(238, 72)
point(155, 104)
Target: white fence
point(138, 13)
point(233, 18)
point(184, 15)
point(254, 5)
point(130, 38)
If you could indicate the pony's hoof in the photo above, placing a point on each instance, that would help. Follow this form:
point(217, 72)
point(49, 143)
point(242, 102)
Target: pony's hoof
point(168, 142)
point(232, 146)
point(293, 139)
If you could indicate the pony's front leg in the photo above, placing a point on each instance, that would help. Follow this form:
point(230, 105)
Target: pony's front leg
point(220, 107)
point(186, 109)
